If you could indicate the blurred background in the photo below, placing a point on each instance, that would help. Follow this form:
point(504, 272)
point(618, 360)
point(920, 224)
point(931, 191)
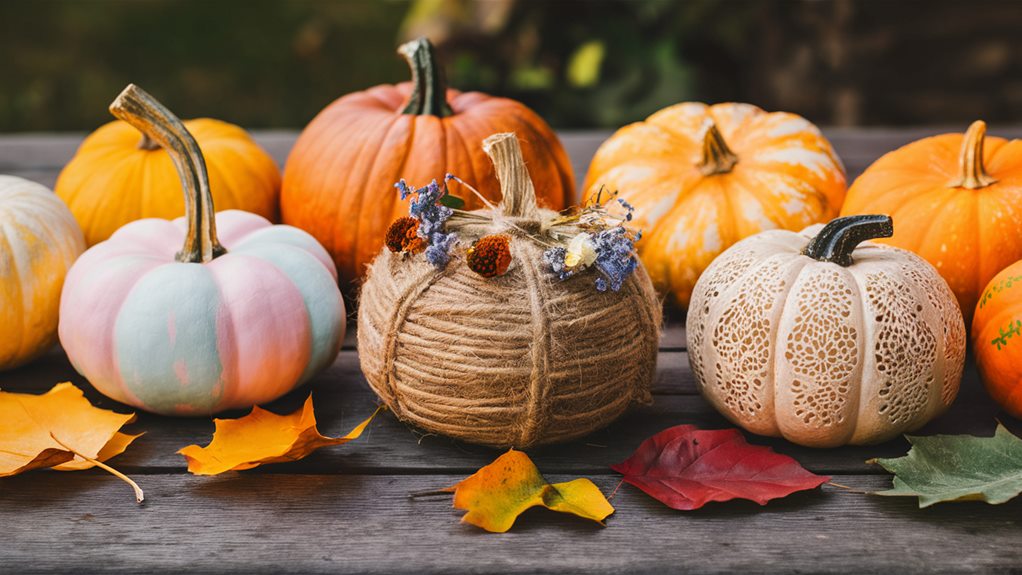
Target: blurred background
point(580, 64)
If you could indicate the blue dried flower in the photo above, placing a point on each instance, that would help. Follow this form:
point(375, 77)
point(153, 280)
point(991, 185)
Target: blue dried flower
point(554, 257)
point(432, 216)
point(629, 208)
point(615, 257)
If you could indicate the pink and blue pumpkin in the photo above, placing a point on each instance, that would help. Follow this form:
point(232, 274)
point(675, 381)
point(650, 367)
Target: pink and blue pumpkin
point(212, 327)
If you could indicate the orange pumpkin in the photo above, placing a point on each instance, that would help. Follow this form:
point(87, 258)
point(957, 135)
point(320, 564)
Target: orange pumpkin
point(339, 178)
point(703, 177)
point(997, 338)
point(119, 176)
point(958, 199)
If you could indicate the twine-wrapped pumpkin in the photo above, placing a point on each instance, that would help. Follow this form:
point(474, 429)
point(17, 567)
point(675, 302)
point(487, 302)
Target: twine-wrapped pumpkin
point(505, 352)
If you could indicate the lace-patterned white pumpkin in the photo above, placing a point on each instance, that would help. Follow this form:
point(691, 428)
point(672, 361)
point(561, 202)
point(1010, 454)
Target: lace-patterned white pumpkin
point(814, 338)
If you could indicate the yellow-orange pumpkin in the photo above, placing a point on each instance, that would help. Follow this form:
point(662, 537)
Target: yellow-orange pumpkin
point(339, 178)
point(997, 338)
point(958, 199)
point(119, 176)
point(703, 177)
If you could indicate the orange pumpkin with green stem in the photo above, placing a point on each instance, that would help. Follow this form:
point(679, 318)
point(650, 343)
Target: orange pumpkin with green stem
point(703, 177)
point(339, 178)
point(957, 198)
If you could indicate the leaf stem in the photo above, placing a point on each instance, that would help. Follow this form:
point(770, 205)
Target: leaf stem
point(845, 487)
point(139, 496)
point(431, 493)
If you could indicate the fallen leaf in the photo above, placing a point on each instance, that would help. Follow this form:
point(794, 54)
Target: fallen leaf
point(958, 468)
point(62, 430)
point(262, 437)
point(497, 494)
point(684, 468)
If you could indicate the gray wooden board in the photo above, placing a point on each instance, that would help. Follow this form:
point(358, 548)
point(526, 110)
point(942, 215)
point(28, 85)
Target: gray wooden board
point(252, 523)
point(346, 508)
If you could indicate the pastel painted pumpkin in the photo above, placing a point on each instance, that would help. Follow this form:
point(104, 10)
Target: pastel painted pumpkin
point(340, 176)
point(118, 176)
point(212, 326)
point(703, 177)
point(960, 197)
point(808, 337)
point(997, 338)
point(39, 240)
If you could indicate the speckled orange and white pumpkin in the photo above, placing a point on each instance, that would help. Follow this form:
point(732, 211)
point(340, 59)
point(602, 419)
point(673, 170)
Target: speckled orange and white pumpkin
point(808, 337)
point(703, 177)
point(39, 240)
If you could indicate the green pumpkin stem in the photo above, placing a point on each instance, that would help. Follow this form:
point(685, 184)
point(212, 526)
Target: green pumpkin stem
point(717, 156)
point(429, 96)
point(838, 239)
point(160, 125)
point(972, 173)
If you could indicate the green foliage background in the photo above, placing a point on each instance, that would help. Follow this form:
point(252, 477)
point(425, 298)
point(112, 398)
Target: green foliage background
point(580, 64)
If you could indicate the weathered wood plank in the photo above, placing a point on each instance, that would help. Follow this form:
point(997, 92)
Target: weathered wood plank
point(41, 156)
point(343, 399)
point(252, 523)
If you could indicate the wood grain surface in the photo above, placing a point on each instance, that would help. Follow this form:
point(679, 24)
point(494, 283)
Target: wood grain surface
point(347, 509)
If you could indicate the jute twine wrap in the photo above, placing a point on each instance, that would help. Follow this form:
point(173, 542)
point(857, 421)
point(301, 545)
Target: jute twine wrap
point(517, 360)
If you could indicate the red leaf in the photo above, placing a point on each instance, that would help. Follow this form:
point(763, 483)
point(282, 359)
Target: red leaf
point(684, 468)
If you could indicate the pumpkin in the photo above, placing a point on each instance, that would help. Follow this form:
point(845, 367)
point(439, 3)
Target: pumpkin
point(490, 345)
point(339, 177)
point(119, 176)
point(39, 240)
point(961, 194)
point(703, 177)
point(812, 337)
point(213, 326)
point(997, 338)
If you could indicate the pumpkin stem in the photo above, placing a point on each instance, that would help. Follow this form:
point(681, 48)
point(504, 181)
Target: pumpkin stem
point(972, 174)
point(838, 239)
point(160, 125)
point(516, 189)
point(147, 144)
point(717, 156)
point(429, 96)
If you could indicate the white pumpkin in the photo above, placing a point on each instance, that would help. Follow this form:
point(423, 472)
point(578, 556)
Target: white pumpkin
point(808, 337)
point(39, 240)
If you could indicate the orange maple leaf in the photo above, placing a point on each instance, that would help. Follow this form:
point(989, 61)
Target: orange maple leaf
point(498, 493)
point(60, 429)
point(262, 437)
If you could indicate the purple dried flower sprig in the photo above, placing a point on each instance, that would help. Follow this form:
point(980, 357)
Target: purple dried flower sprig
point(426, 207)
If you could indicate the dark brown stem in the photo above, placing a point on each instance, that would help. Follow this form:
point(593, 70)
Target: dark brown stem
point(971, 172)
point(160, 125)
point(429, 96)
point(518, 196)
point(717, 156)
point(837, 240)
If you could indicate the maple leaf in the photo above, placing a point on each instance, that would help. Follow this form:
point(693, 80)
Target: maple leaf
point(60, 429)
point(958, 468)
point(498, 493)
point(262, 437)
point(684, 468)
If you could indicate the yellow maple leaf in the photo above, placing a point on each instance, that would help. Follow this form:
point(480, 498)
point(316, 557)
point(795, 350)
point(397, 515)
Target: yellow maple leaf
point(262, 437)
point(497, 494)
point(62, 430)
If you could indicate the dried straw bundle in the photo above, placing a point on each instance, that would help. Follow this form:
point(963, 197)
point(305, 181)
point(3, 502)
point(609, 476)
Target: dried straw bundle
point(518, 360)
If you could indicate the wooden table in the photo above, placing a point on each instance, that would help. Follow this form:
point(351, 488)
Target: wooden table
point(347, 509)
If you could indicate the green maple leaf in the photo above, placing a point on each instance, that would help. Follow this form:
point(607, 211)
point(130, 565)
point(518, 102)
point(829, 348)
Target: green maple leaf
point(958, 468)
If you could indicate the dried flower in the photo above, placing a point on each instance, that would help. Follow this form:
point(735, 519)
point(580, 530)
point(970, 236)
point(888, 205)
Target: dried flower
point(581, 251)
point(403, 236)
point(615, 257)
point(431, 216)
point(490, 256)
